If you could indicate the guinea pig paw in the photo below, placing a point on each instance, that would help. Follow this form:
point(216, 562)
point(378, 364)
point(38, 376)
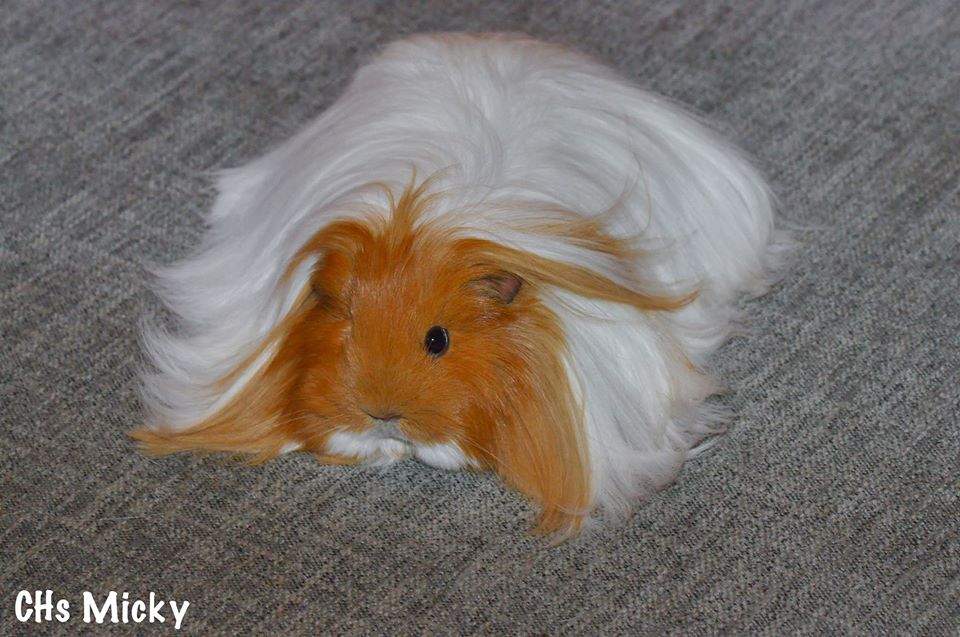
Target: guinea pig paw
point(393, 451)
point(444, 455)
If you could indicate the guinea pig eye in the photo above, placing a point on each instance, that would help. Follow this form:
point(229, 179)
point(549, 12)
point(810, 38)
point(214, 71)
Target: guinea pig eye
point(437, 341)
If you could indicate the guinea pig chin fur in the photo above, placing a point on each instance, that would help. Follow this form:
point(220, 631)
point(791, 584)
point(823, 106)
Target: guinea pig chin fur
point(518, 263)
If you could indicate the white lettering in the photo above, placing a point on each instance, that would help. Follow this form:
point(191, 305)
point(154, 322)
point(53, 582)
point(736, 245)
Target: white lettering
point(100, 614)
point(23, 599)
point(155, 607)
point(44, 606)
point(138, 611)
point(178, 612)
point(63, 610)
point(115, 607)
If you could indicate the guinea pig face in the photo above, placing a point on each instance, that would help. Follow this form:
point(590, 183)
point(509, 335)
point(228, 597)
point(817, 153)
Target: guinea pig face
point(410, 342)
point(421, 343)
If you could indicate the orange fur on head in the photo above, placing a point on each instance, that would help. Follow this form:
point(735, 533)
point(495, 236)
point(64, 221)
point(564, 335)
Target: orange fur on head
point(352, 347)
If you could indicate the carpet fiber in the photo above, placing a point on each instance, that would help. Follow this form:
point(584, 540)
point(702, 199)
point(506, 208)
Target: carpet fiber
point(832, 505)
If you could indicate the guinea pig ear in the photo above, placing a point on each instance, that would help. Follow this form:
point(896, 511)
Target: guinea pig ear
point(330, 283)
point(503, 286)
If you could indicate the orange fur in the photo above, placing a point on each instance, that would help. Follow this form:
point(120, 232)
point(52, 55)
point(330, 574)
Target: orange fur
point(353, 346)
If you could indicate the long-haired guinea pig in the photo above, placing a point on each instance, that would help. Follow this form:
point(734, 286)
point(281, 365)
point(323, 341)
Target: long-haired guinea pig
point(490, 253)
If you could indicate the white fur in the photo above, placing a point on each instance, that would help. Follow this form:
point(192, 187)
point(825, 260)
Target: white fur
point(443, 455)
point(378, 448)
point(518, 128)
point(368, 445)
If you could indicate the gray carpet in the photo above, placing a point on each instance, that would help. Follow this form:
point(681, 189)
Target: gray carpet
point(832, 506)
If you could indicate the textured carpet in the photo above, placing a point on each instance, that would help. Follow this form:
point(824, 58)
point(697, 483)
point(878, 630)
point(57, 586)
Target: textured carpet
point(832, 506)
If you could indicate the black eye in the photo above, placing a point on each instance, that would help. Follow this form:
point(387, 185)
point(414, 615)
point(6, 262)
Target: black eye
point(437, 341)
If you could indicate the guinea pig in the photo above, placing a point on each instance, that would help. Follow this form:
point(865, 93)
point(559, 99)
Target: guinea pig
point(489, 253)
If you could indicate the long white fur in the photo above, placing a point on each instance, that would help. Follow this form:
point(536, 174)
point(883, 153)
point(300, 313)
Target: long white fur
point(515, 129)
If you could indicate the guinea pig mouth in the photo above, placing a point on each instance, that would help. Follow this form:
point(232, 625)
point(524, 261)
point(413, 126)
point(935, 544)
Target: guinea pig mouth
point(388, 428)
